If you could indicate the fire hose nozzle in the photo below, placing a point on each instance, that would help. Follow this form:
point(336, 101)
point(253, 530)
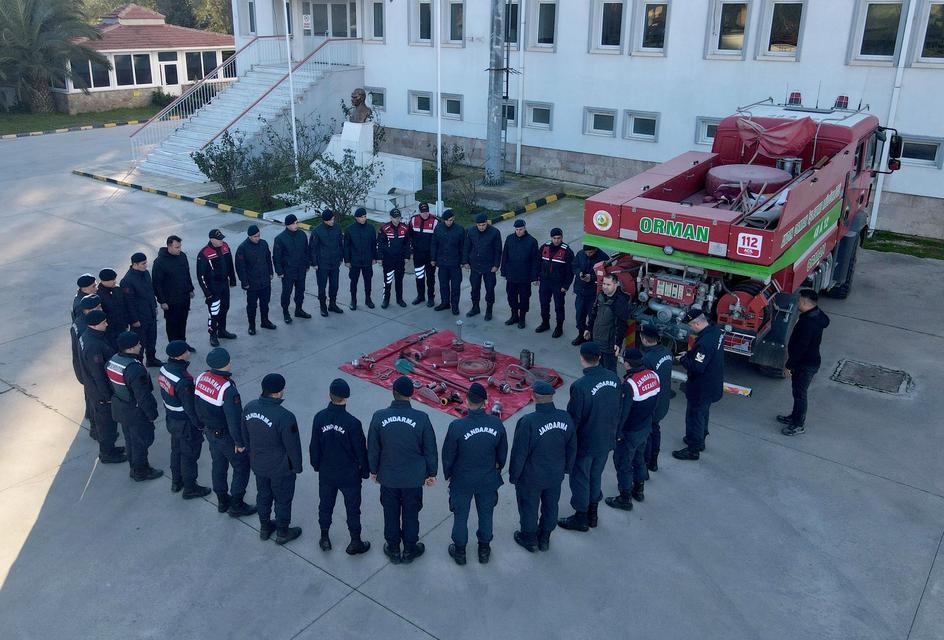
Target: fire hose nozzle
point(496, 409)
point(361, 363)
point(503, 387)
point(438, 387)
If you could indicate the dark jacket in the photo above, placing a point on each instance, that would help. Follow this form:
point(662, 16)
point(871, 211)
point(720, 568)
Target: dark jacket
point(115, 306)
point(218, 404)
point(659, 359)
point(325, 248)
point(608, 319)
point(270, 432)
point(171, 277)
point(254, 265)
point(447, 245)
point(75, 304)
point(421, 234)
point(76, 329)
point(177, 394)
point(290, 253)
point(544, 449)
point(95, 353)
point(803, 347)
point(557, 264)
point(136, 402)
point(482, 249)
point(583, 265)
point(594, 406)
point(474, 452)
point(139, 296)
point(338, 449)
point(705, 365)
point(360, 244)
point(401, 446)
point(641, 392)
point(393, 243)
point(520, 261)
point(215, 270)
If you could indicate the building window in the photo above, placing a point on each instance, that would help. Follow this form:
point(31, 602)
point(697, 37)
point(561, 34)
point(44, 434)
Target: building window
point(728, 29)
point(877, 32)
point(651, 19)
point(781, 26)
point(538, 115)
point(705, 129)
point(542, 32)
point(89, 75)
point(133, 70)
point(200, 64)
point(510, 113)
point(376, 98)
point(167, 61)
point(930, 35)
point(455, 21)
point(607, 25)
point(451, 106)
point(923, 151)
point(511, 23)
point(375, 14)
point(421, 103)
point(229, 70)
point(641, 125)
point(599, 122)
point(421, 22)
point(252, 17)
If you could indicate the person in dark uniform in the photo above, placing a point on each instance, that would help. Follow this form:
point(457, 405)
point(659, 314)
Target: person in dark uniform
point(482, 255)
point(216, 274)
point(401, 452)
point(658, 358)
point(95, 354)
point(520, 266)
point(473, 455)
point(594, 406)
point(640, 395)
point(138, 291)
point(360, 253)
point(220, 411)
point(446, 256)
point(76, 329)
point(705, 385)
point(133, 405)
point(422, 227)
point(338, 453)
point(544, 449)
point(291, 261)
point(183, 424)
point(608, 320)
point(326, 250)
point(556, 275)
point(86, 286)
point(114, 305)
point(393, 247)
point(803, 358)
point(270, 432)
point(254, 270)
point(585, 287)
point(173, 287)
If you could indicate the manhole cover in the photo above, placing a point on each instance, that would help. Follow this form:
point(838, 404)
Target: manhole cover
point(872, 377)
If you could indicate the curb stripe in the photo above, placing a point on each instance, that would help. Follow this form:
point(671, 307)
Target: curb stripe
point(528, 208)
point(86, 127)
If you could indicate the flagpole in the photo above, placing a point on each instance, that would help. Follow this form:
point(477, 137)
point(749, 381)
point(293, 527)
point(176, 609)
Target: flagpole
point(439, 151)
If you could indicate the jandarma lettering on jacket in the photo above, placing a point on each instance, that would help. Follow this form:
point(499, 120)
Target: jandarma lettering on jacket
point(552, 425)
point(477, 430)
point(408, 421)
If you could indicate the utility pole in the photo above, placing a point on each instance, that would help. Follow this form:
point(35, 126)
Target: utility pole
point(496, 72)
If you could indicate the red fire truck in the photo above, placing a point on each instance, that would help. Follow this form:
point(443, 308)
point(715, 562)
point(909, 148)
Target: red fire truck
point(779, 203)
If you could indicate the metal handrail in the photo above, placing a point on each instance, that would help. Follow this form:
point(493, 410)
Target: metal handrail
point(303, 61)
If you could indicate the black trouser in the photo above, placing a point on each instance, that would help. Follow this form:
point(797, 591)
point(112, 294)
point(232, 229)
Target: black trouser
point(531, 500)
point(401, 509)
point(327, 278)
point(583, 303)
point(223, 453)
point(355, 273)
point(551, 289)
point(186, 442)
point(90, 411)
point(393, 275)
point(105, 428)
point(217, 308)
point(629, 458)
point(450, 282)
point(654, 443)
point(281, 491)
point(519, 297)
point(585, 480)
point(425, 274)
point(260, 296)
point(139, 436)
point(175, 320)
point(696, 424)
point(461, 502)
point(147, 332)
point(800, 380)
point(296, 281)
point(327, 498)
point(476, 278)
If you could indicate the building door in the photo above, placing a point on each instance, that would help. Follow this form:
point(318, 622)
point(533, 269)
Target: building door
point(170, 78)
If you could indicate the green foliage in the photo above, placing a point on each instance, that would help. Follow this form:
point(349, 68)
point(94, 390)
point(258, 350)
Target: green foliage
point(339, 185)
point(161, 99)
point(179, 12)
point(224, 161)
point(214, 15)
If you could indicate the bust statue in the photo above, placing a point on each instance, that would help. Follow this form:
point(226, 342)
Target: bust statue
point(359, 112)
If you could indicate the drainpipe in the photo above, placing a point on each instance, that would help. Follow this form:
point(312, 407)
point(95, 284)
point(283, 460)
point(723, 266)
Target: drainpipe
point(438, 107)
point(903, 56)
point(291, 88)
point(522, 39)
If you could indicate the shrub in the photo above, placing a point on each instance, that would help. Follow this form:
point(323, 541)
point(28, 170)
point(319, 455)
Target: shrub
point(224, 162)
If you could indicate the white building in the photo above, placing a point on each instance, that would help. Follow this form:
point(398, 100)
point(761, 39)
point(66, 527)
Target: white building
point(603, 88)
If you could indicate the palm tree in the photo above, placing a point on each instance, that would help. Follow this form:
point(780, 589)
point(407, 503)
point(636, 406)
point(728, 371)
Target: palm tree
point(37, 39)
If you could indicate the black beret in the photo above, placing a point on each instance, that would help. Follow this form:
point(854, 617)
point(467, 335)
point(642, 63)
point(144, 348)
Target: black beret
point(650, 331)
point(448, 214)
point(477, 392)
point(542, 388)
point(403, 386)
point(693, 314)
point(590, 350)
point(395, 213)
point(107, 274)
point(273, 383)
point(90, 302)
point(290, 219)
point(85, 280)
point(480, 218)
point(128, 340)
point(252, 230)
point(138, 257)
point(216, 234)
point(95, 317)
point(519, 223)
point(217, 358)
point(327, 214)
point(339, 388)
point(556, 231)
point(360, 212)
point(424, 206)
point(177, 348)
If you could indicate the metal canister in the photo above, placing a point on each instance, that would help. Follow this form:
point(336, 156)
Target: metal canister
point(526, 359)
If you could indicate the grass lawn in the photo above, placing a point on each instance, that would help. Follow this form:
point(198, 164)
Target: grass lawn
point(27, 122)
point(909, 245)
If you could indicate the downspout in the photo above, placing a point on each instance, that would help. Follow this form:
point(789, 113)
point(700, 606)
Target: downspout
point(522, 39)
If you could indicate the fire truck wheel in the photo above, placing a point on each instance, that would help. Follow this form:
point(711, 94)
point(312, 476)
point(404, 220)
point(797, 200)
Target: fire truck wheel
point(841, 291)
point(769, 372)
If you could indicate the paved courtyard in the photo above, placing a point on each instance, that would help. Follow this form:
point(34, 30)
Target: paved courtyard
point(833, 534)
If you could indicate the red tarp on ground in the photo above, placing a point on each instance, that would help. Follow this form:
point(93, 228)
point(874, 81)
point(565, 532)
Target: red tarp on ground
point(785, 140)
point(386, 359)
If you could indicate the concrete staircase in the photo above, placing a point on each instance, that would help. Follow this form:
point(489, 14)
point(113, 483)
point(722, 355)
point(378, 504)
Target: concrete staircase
point(172, 157)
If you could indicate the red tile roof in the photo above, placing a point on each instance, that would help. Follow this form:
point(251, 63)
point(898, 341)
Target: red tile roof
point(134, 12)
point(120, 37)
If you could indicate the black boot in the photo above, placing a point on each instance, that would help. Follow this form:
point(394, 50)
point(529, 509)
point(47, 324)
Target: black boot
point(196, 491)
point(325, 542)
point(266, 324)
point(238, 508)
point(485, 552)
point(301, 313)
point(266, 529)
point(323, 306)
point(357, 546)
point(353, 305)
point(419, 299)
point(576, 522)
point(525, 541)
point(513, 319)
point(474, 311)
point(457, 554)
point(624, 501)
point(368, 302)
point(386, 301)
point(653, 464)
point(430, 302)
point(411, 554)
point(686, 454)
point(558, 331)
point(176, 486)
point(442, 306)
point(146, 472)
point(544, 326)
point(287, 534)
point(112, 457)
point(544, 541)
point(214, 341)
point(521, 315)
point(400, 301)
point(579, 340)
point(488, 311)
point(333, 306)
point(226, 335)
point(638, 492)
point(222, 502)
point(593, 517)
point(252, 328)
point(286, 316)
point(393, 553)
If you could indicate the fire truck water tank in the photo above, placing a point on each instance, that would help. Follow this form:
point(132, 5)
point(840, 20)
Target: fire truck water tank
point(754, 177)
